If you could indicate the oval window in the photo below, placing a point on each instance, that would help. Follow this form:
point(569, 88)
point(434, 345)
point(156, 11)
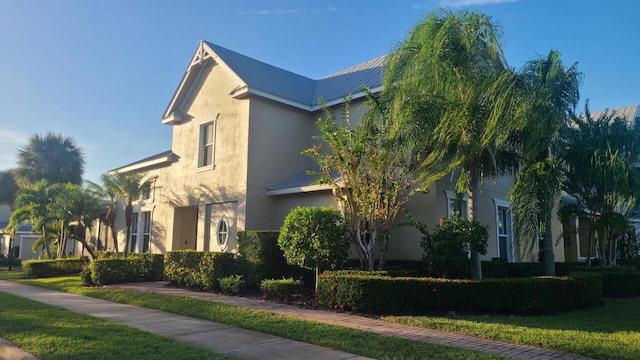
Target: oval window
point(223, 233)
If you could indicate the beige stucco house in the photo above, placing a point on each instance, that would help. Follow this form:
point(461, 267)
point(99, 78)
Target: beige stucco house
point(234, 164)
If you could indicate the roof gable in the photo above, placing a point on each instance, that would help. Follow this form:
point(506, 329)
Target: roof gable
point(258, 78)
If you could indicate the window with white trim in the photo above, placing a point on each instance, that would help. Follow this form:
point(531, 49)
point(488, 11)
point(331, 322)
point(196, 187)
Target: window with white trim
point(133, 237)
point(146, 231)
point(222, 233)
point(206, 154)
point(504, 229)
point(207, 226)
point(457, 205)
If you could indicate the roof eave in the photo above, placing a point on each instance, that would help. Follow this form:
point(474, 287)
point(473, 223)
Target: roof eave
point(298, 190)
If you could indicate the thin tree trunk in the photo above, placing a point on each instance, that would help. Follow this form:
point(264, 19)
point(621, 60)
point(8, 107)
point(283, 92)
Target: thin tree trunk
point(549, 256)
point(476, 264)
point(383, 251)
point(46, 243)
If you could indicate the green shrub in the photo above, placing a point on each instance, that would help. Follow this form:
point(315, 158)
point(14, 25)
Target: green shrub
point(113, 271)
point(197, 269)
point(385, 294)
point(231, 284)
point(446, 250)
point(85, 276)
point(621, 283)
point(497, 268)
point(260, 258)
point(281, 289)
point(49, 268)
point(137, 267)
point(14, 262)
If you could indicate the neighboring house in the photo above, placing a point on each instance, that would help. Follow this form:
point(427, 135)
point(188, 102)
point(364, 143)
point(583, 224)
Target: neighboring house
point(575, 238)
point(234, 164)
point(23, 240)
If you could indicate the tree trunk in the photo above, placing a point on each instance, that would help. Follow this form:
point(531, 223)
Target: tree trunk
point(549, 256)
point(476, 264)
point(81, 236)
point(383, 251)
point(46, 243)
point(111, 218)
point(128, 217)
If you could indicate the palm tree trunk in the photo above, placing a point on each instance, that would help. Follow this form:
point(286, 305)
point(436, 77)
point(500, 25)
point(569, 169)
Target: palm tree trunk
point(474, 180)
point(549, 256)
point(46, 242)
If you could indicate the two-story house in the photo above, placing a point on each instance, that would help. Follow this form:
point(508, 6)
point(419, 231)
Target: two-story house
point(238, 128)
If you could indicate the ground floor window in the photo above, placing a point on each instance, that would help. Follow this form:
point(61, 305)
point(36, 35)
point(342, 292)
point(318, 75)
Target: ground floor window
point(133, 237)
point(223, 233)
point(504, 228)
point(146, 231)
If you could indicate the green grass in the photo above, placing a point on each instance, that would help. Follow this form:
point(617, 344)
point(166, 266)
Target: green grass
point(337, 337)
point(53, 333)
point(608, 332)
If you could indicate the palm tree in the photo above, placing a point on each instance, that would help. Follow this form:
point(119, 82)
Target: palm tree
point(129, 187)
point(451, 85)
point(34, 204)
point(80, 205)
point(602, 155)
point(52, 157)
point(109, 190)
point(552, 94)
point(8, 187)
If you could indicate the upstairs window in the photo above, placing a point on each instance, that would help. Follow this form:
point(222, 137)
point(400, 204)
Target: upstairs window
point(207, 140)
point(457, 205)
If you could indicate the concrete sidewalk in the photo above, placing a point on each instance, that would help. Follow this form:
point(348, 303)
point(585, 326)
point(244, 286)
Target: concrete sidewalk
point(223, 339)
point(246, 344)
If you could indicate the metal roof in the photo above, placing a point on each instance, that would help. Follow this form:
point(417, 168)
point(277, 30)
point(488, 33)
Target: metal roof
point(300, 89)
point(628, 112)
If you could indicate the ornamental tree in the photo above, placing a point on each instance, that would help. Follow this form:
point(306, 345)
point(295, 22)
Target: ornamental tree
point(314, 237)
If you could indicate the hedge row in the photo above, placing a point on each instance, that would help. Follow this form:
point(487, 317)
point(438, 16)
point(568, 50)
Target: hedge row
point(49, 268)
point(14, 262)
point(135, 267)
point(384, 294)
point(198, 269)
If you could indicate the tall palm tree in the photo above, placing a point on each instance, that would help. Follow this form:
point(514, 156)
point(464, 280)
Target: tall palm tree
point(602, 154)
point(80, 205)
point(109, 190)
point(8, 188)
point(552, 95)
point(34, 204)
point(129, 187)
point(451, 85)
point(53, 157)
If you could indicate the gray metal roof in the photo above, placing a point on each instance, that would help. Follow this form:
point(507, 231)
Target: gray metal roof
point(628, 112)
point(300, 89)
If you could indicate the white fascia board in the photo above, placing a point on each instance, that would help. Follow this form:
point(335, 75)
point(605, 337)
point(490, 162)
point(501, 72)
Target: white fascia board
point(298, 190)
point(246, 91)
point(354, 96)
point(142, 165)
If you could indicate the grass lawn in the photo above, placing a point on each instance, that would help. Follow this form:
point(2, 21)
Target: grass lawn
point(608, 332)
point(53, 333)
point(345, 339)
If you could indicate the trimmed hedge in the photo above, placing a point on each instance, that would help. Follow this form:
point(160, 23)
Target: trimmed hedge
point(384, 294)
point(50, 268)
point(135, 267)
point(621, 283)
point(281, 288)
point(198, 269)
point(261, 258)
point(14, 262)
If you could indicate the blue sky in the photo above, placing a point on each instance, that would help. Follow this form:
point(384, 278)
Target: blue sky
point(103, 72)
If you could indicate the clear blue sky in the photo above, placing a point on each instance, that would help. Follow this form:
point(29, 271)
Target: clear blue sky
point(103, 71)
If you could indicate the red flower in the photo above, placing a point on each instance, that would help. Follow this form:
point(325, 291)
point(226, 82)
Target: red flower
point(434, 290)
